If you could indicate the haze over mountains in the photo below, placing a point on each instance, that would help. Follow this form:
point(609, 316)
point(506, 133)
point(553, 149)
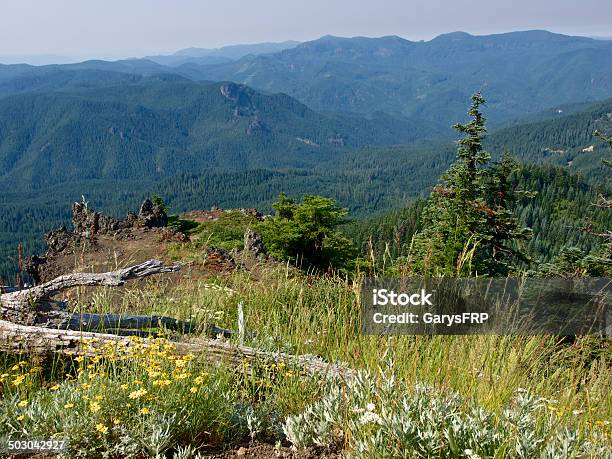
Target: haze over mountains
point(521, 72)
point(204, 56)
point(295, 105)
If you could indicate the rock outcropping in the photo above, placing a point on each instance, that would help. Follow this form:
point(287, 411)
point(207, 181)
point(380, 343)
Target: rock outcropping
point(152, 216)
point(89, 225)
point(253, 243)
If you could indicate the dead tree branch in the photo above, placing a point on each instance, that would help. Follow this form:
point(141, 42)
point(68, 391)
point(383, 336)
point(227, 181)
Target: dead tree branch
point(34, 306)
point(16, 338)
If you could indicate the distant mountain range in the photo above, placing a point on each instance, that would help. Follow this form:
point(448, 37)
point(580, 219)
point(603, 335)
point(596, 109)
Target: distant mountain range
point(521, 73)
point(121, 120)
point(225, 54)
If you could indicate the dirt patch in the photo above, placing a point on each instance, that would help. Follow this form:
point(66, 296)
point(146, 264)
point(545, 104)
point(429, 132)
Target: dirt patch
point(98, 243)
point(264, 451)
point(259, 451)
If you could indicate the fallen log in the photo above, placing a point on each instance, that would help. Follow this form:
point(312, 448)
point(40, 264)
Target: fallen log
point(31, 323)
point(101, 322)
point(33, 306)
point(16, 338)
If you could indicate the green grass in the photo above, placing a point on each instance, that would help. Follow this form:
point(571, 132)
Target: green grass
point(298, 313)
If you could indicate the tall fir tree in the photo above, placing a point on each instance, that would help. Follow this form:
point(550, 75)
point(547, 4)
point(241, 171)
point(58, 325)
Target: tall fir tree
point(468, 225)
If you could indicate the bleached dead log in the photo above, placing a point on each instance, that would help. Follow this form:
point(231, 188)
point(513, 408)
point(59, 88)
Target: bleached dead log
point(16, 338)
point(34, 306)
point(65, 333)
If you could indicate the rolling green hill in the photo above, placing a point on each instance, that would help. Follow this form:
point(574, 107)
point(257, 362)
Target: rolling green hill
point(164, 125)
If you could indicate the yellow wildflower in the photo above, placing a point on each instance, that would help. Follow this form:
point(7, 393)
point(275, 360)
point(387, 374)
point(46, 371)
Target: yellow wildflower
point(20, 418)
point(69, 405)
point(137, 394)
point(145, 411)
point(22, 404)
point(193, 390)
point(101, 428)
point(18, 365)
point(56, 387)
point(94, 407)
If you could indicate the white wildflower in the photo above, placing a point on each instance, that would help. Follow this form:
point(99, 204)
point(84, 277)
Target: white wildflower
point(370, 417)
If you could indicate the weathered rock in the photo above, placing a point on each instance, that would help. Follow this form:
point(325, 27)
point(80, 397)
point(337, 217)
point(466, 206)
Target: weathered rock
point(87, 222)
point(35, 267)
point(151, 215)
point(252, 212)
point(172, 235)
point(59, 240)
point(220, 258)
point(253, 243)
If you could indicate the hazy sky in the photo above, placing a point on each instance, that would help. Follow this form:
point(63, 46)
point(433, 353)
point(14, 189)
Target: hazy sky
point(121, 28)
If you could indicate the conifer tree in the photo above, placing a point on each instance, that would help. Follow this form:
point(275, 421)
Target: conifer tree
point(468, 223)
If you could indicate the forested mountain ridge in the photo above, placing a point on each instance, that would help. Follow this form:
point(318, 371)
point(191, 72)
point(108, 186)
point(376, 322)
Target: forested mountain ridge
point(565, 140)
point(522, 72)
point(164, 125)
point(219, 55)
point(369, 180)
point(21, 78)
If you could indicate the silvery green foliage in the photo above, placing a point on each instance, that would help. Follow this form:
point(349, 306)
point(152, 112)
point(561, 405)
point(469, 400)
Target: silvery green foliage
point(385, 419)
point(157, 434)
point(256, 421)
point(520, 418)
point(315, 425)
point(188, 452)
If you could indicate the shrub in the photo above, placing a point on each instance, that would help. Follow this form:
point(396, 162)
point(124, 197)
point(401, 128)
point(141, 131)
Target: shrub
point(307, 233)
point(387, 419)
